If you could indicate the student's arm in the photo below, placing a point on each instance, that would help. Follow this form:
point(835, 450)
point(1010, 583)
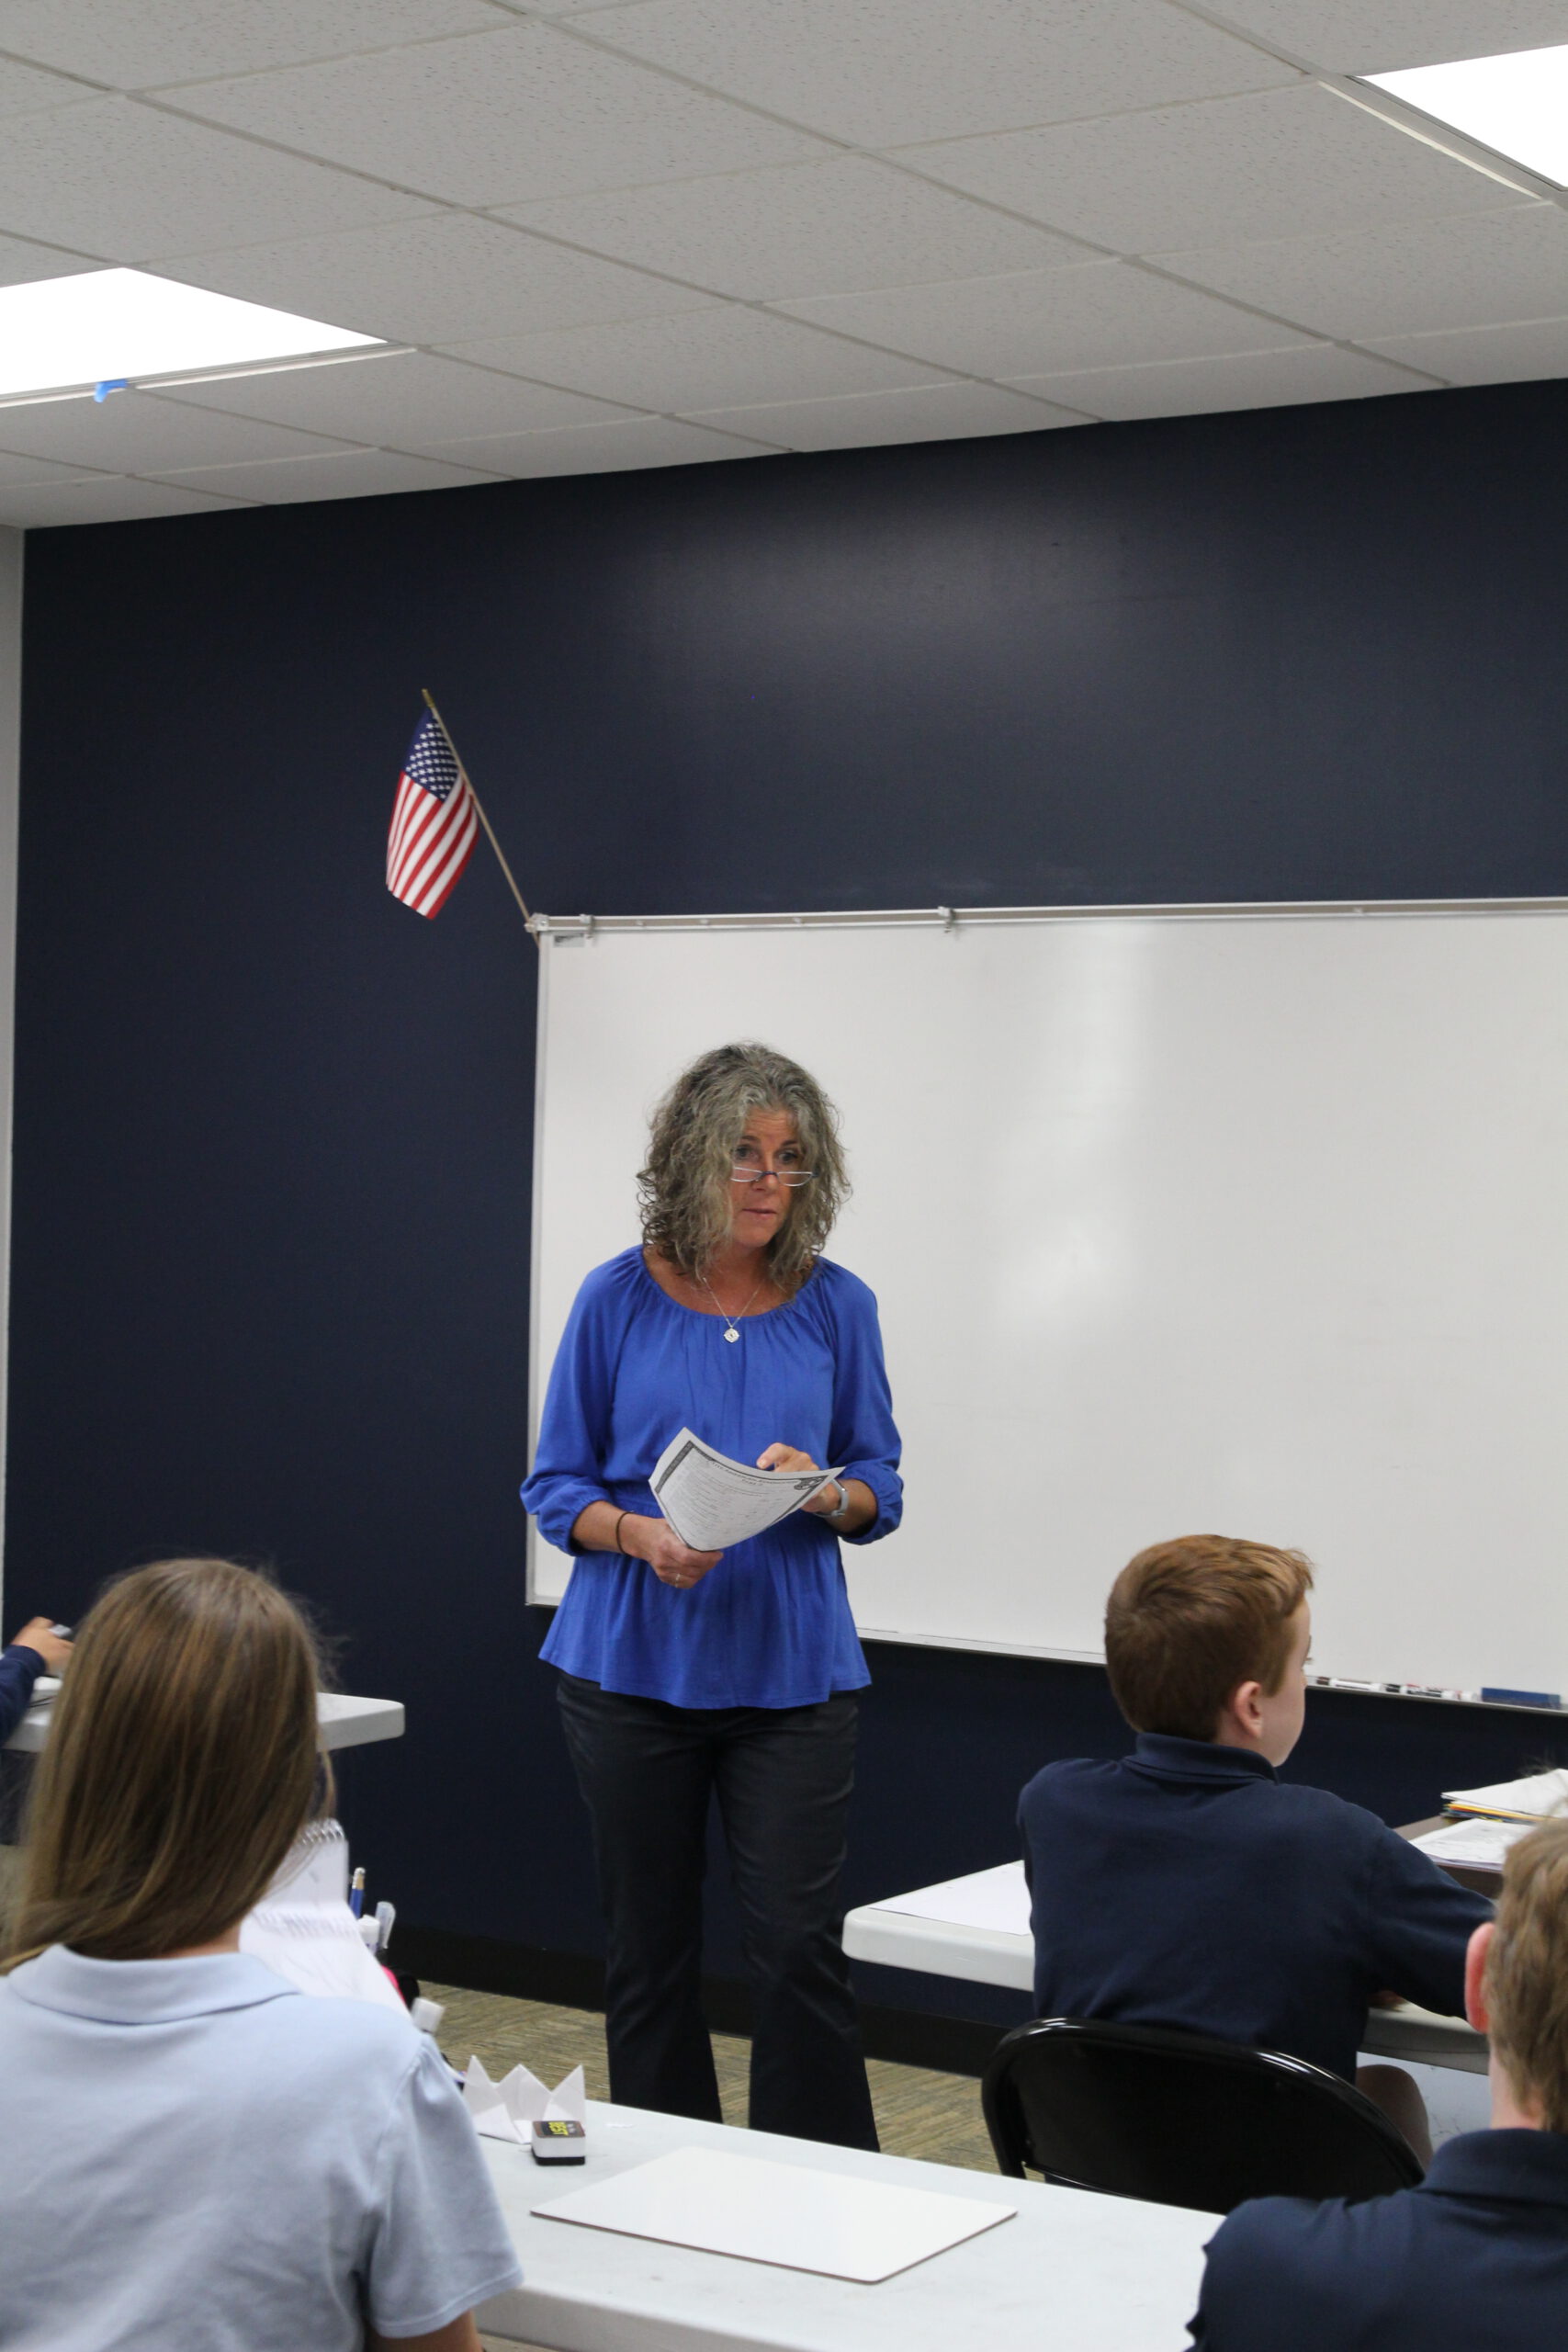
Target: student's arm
point(439, 2246)
point(1419, 1923)
point(35, 1651)
point(460, 2335)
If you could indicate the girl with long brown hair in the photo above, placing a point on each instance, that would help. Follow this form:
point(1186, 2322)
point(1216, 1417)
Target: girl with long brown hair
point(193, 2155)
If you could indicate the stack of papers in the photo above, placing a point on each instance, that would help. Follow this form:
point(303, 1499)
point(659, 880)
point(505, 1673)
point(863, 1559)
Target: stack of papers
point(1477, 1843)
point(1542, 1796)
point(712, 1501)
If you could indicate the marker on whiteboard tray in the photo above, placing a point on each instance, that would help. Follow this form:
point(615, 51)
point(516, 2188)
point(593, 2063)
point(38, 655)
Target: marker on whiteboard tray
point(1522, 1698)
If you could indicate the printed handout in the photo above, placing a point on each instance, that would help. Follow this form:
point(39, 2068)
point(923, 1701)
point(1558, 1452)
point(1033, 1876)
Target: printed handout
point(712, 1503)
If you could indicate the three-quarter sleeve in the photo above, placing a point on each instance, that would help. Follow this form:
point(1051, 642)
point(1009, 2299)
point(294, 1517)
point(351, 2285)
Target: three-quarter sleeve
point(568, 1462)
point(864, 1437)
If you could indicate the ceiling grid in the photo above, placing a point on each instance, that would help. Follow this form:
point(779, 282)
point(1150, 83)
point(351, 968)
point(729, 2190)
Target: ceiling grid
point(660, 231)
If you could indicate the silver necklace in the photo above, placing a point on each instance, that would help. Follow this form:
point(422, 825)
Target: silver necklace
point(729, 1322)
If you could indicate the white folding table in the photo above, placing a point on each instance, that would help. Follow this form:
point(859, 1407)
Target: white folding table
point(1072, 2270)
point(345, 1722)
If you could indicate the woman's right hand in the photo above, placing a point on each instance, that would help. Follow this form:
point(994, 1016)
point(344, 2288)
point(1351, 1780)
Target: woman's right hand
point(672, 1562)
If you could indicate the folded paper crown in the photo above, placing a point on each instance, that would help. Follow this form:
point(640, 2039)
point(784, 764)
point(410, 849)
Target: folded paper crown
point(504, 2110)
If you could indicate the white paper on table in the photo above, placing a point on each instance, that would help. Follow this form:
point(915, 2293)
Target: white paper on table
point(1542, 1796)
point(505, 2110)
point(831, 2223)
point(1482, 1844)
point(304, 1927)
point(712, 1503)
point(996, 1899)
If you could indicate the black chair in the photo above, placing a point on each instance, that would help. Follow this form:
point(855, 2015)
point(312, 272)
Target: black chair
point(1140, 2110)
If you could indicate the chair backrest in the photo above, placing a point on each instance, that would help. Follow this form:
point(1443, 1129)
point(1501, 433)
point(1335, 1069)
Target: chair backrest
point(1139, 2110)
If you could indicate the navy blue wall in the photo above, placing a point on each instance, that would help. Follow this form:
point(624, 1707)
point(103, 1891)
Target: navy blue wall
point(270, 1283)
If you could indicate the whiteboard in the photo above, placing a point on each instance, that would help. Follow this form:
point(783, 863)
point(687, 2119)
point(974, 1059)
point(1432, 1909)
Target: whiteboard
point(1246, 1221)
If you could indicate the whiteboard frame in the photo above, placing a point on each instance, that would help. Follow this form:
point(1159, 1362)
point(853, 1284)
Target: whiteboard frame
point(551, 931)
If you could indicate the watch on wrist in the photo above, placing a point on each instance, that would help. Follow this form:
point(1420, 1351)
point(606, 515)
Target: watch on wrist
point(842, 1506)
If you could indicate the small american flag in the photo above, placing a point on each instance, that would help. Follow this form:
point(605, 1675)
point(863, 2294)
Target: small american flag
point(435, 822)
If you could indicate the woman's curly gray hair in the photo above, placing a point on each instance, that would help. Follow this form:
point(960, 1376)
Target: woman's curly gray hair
point(686, 1187)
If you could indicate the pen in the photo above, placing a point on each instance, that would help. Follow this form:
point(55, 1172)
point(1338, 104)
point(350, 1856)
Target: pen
point(356, 1892)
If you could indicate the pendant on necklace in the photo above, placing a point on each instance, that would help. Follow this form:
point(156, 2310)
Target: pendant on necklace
point(732, 1334)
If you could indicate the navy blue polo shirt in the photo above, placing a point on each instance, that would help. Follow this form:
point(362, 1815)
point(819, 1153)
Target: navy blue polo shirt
point(19, 1669)
point(1188, 1885)
point(1477, 2255)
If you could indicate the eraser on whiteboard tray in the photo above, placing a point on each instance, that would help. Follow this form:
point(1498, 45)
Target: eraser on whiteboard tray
point(554, 2141)
point(1522, 1698)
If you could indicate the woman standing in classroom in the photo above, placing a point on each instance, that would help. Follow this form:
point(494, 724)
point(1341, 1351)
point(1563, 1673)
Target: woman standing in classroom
point(687, 1675)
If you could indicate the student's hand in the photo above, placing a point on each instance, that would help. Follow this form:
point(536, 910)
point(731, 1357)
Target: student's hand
point(36, 1636)
point(1387, 2001)
point(672, 1562)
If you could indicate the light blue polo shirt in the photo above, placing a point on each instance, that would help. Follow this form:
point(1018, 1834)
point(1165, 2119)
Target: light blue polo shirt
point(195, 2157)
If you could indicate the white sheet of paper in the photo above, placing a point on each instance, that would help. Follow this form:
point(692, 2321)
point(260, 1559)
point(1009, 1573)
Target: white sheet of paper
point(801, 2220)
point(1482, 1843)
point(504, 2110)
point(996, 1898)
point(1541, 1795)
point(712, 1501)
point(304, 1927)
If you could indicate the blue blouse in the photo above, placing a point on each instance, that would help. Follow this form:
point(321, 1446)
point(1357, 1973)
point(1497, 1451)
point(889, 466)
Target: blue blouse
point(771, 1625)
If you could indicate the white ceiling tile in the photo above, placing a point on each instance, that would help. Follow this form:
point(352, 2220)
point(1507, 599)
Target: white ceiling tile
point(500, 118)
point(1508, 355)
point(136, 433)
point(873, 420)
point(1380, 36)
point(706, 359)
point(1318, 371)
point(617, 448)
point(1041, 322)
point(22, 263)
point(352, 473)
point(409, 400)
point(436, 278)
point(802, 228)
point(883, 71)
point(1283, 162)
point(24, 90)
point(1475, 270)
point(104, 498)
point(134, 44)
point(125, 181)
point(16, 470)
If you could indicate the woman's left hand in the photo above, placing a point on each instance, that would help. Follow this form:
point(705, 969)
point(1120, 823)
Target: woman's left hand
point(790, 1457)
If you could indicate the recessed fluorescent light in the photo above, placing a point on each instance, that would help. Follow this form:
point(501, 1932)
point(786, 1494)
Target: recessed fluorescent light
point(1517, 105)
point(115, 324)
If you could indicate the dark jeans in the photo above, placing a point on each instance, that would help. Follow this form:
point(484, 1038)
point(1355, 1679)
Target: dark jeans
point(783, 1777)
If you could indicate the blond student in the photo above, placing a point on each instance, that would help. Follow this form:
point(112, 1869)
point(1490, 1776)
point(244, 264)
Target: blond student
point(1478, 2255)
point(1188, 1884)
point(194, 2156)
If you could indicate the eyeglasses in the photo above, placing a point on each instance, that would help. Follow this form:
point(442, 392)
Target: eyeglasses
point(792, 1177)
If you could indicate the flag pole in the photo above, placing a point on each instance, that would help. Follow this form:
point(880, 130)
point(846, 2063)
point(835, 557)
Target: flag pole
point(484, 820)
